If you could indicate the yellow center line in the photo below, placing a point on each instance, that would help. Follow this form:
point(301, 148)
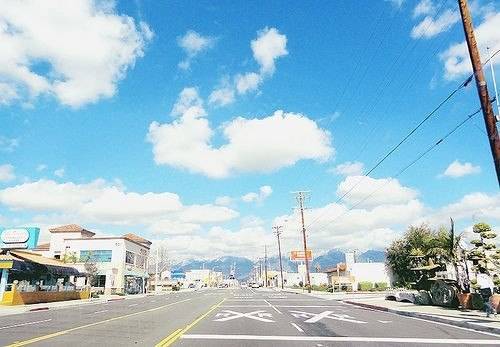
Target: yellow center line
point(170, 339)
point(63, 332)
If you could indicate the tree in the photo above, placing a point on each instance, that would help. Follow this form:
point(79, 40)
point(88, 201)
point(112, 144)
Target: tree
point(484, 252)
point(92, 271)
point(421, 243)
point(414, 243)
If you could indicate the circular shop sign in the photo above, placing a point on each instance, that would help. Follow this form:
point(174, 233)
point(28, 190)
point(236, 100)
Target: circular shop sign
point(15, 235)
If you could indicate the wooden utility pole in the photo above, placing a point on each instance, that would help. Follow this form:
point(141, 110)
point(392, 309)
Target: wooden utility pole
point(482, 89)
point(278, 231)
point(301, 196)
point(265, 264)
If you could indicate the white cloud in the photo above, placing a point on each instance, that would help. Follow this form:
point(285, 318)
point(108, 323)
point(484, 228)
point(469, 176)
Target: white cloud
point(458, 169)
point(456, 57)
point(349, 168)
point(105, 203)
point(430, 27)
point(248, 82)
point(424, 7)
point(188, 101)
point(76, 51)
point(8, 93)
point(380, 191)
point(41, 167)
point(7, 173)
point(223, 200)
point(59, 172)
point(8, 144)
point(222, 96)
point(193, 43)
point(253, 145)
point(267, 47)
point(263, 194)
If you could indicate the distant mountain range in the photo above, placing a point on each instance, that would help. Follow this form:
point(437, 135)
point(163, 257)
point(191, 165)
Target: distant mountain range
point(244, 265)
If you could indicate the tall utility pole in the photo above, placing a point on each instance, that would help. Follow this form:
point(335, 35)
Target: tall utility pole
point(156, 268)
point(301, 196)
point(265, 264)
point(278, 230)
point(482, 89)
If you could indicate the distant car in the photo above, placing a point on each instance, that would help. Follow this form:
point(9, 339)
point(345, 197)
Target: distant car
point(191, 285)
point(254, 285)
point(243, 285)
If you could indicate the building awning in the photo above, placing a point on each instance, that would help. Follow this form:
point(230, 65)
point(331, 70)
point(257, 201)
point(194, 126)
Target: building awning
point(31, 262)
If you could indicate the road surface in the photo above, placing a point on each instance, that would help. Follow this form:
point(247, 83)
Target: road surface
point(229, 317)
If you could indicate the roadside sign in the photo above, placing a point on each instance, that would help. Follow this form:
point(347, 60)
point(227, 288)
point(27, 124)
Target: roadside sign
point(18, 238)
point(300, 255)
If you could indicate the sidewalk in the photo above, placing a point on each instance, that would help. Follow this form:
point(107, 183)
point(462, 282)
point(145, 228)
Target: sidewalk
point(17, 309)
point(334, 296)
point(471, 319)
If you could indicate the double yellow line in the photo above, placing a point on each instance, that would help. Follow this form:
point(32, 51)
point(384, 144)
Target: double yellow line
point(170, 339)
point(63, 332)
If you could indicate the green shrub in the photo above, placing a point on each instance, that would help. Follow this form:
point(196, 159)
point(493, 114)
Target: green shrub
point(365, 286)
point(381, 286)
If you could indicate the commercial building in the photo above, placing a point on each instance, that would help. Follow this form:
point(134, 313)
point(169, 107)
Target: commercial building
point(119, 263)
point(27, 277)
point(348, 275)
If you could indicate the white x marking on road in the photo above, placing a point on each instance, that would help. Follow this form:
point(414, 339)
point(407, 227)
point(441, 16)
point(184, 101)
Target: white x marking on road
point(315, 317)
point(256, 315)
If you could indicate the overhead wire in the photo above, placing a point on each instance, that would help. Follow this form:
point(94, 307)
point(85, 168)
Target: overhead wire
point(402, 170)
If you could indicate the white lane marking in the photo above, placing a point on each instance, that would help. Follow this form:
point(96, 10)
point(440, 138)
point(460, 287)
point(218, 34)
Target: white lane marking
point(255, 315)
point(426, 320)
point(305, 306)
point(245, 306)
point(315, 317)
point(297, 327)
point(100, 311)
point(274, 308)
point(23, 324)
point(132, 305)
point(385, 321)
point(341, 339)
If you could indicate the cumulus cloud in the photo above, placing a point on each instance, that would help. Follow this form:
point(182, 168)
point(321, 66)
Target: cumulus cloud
point(377, 191)
point(349, 168)
point(263, 193)
point(267, 48)
point(430, 26)
point(458, 169)
point(7, 173)
point(104, 203)
point(222, 96)
point(424, 7)
point(76, 51)
point(252, 145)
point(456, 57)
point(223, 200)
point(193, 44)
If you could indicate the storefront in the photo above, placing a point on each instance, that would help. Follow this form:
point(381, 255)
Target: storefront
point(28, 277)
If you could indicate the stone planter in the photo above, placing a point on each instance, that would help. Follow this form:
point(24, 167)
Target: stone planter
point(465, 300)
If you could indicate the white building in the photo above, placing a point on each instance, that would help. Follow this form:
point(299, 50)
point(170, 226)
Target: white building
point(122, 261)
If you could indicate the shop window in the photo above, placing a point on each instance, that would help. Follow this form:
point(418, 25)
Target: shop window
point(129, 257)
point(98, 256)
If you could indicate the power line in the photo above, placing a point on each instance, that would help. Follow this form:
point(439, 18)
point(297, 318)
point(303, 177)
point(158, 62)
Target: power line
point(425, 119)
point(401, 171)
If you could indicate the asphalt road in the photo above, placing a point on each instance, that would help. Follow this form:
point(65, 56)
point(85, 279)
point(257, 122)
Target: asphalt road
point(229, 317)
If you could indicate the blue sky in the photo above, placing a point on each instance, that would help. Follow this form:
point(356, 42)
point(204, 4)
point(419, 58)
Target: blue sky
point(90, 133)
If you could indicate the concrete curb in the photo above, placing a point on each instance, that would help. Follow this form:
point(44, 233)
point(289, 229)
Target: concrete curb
point(428, 317)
